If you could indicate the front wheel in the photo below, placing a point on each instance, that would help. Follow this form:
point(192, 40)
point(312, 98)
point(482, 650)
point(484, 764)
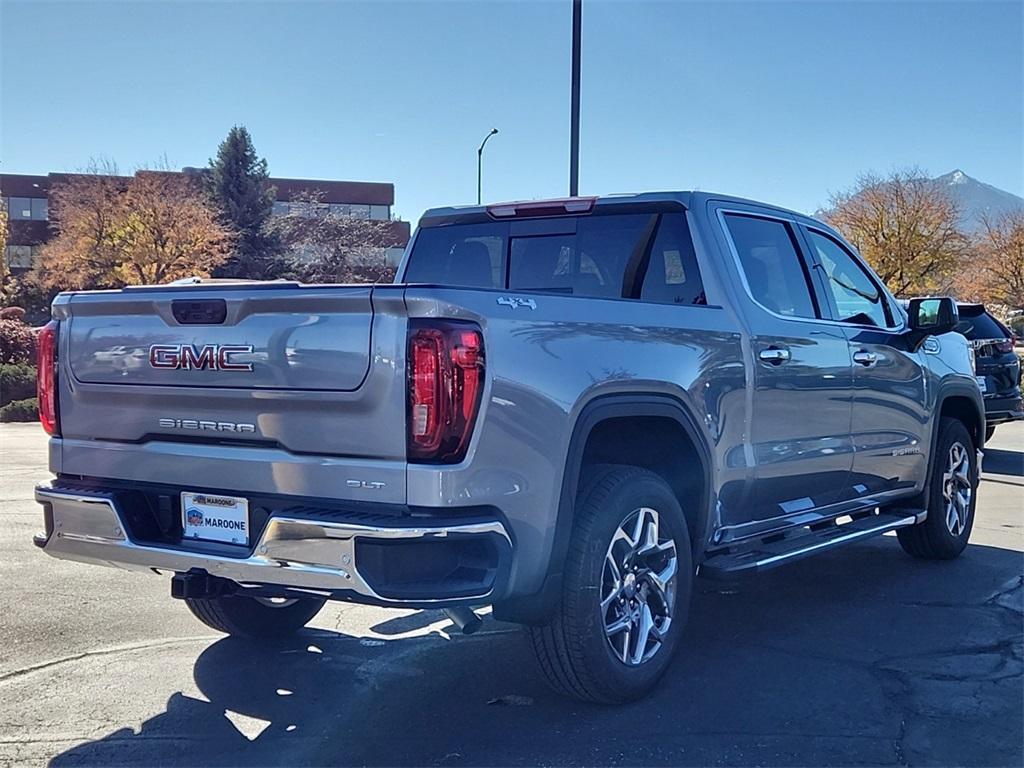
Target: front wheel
point(625, 593)
point(254, 617)
point(951, 498)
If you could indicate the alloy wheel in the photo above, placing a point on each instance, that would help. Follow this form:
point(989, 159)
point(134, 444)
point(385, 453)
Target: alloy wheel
point(957, 489)
point(638, 587)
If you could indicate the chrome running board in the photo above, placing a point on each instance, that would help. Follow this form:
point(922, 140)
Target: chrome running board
point(804, 542)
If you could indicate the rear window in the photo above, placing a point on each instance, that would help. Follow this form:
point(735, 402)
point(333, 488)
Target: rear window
point(468, 255)
point(976, 323)
point(646, 256)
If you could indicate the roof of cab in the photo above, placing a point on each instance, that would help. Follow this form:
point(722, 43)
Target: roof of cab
point(685, 199)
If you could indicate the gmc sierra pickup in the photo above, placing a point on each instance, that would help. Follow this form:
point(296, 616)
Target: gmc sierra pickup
point(565, 409)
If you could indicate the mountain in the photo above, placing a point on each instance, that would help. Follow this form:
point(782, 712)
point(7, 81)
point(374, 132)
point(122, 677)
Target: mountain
point(977, 199)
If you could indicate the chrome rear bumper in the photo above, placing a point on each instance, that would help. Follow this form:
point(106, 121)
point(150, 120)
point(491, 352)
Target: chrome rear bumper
point(291, 552)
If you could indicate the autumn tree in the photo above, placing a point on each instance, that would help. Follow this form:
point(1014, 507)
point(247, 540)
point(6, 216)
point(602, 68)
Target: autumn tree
point(112, 230)
point(995, 274)
point(905, 225)
point(238, 184)
point(5, 269)
point(326, 247)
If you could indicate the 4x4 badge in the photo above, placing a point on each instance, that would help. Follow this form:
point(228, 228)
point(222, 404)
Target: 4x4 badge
point(517, 301)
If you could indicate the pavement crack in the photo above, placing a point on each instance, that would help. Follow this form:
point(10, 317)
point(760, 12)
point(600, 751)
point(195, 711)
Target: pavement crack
point(16, 673)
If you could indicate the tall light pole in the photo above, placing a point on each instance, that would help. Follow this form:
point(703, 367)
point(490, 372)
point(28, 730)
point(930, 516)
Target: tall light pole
point(574, 130)
point(480, 163)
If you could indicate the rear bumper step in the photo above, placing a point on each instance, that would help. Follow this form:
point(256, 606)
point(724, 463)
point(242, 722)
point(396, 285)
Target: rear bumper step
point(766, 555)
point(467, 560)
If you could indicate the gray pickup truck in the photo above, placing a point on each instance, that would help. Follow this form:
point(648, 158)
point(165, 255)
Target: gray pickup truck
point(565, 409)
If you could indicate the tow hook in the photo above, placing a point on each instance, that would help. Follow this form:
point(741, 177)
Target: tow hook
point(465, 619)
point(199, 584)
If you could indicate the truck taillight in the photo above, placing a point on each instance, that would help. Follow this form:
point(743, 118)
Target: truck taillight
point(446, 375)
point(46, 378)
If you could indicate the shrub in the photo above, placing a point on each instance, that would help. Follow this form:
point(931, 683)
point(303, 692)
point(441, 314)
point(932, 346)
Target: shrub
point(12, 313)
point(17, 382)
point(20, 410)
point(17, 342)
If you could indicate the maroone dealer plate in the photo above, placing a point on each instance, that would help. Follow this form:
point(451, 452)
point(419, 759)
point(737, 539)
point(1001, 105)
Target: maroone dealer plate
point(215, 518)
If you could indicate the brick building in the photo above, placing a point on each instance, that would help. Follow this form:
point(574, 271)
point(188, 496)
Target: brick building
point(27, 201)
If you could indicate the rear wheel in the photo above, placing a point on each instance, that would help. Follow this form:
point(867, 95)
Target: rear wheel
point(254, 617)
point(951, 498)
point(626, 589)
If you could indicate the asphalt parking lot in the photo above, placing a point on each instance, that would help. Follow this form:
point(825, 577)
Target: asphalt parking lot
point(860, 656)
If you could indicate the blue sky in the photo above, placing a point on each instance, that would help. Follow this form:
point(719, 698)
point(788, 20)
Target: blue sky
point(782, 101)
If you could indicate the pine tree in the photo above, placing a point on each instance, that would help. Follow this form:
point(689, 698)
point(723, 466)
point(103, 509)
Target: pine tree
point(238, 184)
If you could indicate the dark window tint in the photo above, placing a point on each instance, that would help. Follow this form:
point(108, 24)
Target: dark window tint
point(975, 323)
point(648, 256)
point(467, 255)
point(644, 256)
point(672, 275)
point(857, 297)
point(589, 263)
point(774, 270)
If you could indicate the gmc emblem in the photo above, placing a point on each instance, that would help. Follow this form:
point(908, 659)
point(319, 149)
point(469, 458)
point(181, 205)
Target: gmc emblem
point(210, 357)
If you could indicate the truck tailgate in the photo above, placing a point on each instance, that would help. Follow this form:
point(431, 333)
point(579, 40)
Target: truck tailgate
point(317, 370)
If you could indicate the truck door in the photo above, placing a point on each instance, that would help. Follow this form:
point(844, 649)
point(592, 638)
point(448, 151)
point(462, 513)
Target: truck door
point(798, 442)
point(889, 401)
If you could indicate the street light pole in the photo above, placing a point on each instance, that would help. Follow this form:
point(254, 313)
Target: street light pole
point(480, 163)
point(574, 131)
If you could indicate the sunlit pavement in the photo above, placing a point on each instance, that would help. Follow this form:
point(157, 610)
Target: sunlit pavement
point(860, 656)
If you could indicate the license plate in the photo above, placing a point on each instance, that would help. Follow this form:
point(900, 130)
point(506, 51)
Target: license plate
point(982, 384)
point(215, 518)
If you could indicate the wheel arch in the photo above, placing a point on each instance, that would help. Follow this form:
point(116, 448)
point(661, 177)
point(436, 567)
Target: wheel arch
point(608, 410)
point(957, 400)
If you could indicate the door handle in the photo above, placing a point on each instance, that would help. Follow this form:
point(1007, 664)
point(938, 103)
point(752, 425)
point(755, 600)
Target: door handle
point(774, 355)
point(865, 358)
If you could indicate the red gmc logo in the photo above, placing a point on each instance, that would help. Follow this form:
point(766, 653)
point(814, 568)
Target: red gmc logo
point(210, 357)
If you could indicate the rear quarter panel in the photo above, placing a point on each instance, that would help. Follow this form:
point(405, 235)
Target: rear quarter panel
point(544, 365)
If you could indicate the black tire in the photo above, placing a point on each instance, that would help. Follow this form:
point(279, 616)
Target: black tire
point(989, 431)
point(933, 538)
point(575, 655)
point(244, 616)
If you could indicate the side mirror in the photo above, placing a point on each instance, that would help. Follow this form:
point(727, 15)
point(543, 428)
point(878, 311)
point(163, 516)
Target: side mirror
point(931, 316)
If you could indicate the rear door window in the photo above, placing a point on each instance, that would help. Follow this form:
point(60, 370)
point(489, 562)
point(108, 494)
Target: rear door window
point(774, 270)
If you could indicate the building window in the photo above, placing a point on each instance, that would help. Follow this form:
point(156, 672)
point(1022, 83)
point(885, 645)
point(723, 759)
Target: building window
point(26, 208)
point(281, 208)
point(20, 208)
point(380, 212)
point(18, 256)
point(350, 209)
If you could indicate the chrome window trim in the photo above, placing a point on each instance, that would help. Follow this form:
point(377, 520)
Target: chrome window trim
point(722, 212)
